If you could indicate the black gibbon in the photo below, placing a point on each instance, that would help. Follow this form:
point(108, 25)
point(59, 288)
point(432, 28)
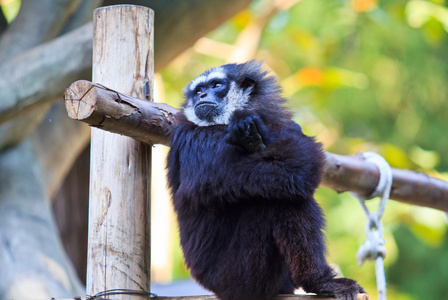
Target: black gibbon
point(242, 175)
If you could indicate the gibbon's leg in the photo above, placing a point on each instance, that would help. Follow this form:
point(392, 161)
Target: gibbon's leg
point(250, 267)
point(287, 286)
point(299, 237)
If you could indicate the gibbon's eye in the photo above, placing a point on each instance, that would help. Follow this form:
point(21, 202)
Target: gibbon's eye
point(199, 91)
point(216, 85)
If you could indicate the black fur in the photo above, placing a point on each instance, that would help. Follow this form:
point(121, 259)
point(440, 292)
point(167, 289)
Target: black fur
point(249, 225)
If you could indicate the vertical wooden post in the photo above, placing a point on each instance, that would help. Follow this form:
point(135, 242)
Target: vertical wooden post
point(119, 212)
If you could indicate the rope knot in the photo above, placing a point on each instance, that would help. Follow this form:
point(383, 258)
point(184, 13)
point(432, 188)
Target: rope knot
point(373, 248)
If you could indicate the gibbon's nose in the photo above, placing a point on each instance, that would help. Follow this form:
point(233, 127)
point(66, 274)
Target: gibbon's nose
point(203, 95)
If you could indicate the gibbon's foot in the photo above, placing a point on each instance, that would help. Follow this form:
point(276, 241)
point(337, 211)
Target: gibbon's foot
point(363, 296)
point(346, 289)
point(247, 133)
point(341, 288)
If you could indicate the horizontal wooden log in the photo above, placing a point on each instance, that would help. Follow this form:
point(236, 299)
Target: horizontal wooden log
point(352, 173)
point(107, 109)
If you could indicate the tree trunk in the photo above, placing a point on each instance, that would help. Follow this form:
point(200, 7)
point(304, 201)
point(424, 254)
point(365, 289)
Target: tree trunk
point(32, 265)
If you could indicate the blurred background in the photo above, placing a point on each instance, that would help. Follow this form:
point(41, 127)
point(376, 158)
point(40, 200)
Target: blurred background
point(360, 75)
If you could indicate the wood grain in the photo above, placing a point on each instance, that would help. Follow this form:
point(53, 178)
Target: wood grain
point(119, 224)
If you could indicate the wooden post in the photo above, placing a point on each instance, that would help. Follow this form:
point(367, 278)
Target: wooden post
point(119, 212)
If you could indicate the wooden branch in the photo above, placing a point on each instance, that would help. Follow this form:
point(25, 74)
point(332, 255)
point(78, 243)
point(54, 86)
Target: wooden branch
point(107, 109)
point(351, 173)
point(101, 107)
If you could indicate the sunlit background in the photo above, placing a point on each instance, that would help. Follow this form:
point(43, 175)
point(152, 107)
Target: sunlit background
point(360, 75)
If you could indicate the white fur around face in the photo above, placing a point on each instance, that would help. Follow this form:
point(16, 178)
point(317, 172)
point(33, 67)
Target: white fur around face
point(235, 99)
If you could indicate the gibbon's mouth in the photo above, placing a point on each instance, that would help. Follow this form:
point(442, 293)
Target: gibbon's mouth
point(207, 103)
point(207, 110)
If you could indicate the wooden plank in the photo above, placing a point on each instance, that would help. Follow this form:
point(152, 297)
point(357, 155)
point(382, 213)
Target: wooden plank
point(119, 216)
point(278, 297)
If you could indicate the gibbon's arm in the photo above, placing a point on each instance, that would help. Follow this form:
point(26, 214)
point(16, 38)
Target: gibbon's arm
point(211, 171)
point(289, 166)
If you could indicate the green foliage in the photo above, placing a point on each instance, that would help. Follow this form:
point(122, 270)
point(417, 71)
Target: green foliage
point(418, 270)
point(10, 8)
point(362, 75)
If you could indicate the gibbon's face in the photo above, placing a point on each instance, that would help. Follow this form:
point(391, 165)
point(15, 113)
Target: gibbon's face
point(213, 97)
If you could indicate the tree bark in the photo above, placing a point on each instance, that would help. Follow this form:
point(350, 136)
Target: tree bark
point(96, 105)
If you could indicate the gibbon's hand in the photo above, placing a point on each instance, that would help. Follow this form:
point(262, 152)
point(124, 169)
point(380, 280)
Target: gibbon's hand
point(247, 132)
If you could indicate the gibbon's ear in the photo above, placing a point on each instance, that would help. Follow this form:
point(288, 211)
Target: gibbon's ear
point(248, 84)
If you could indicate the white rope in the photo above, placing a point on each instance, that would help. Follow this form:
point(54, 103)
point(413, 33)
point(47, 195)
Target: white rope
point(373, 248)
